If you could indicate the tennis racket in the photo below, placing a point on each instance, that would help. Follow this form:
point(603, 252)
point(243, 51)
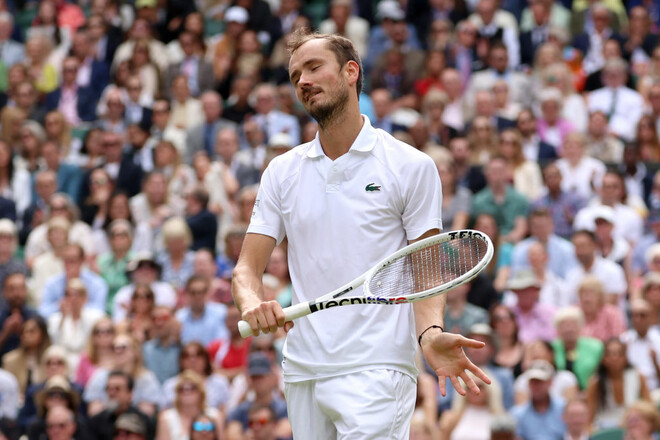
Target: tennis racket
point(421, 270)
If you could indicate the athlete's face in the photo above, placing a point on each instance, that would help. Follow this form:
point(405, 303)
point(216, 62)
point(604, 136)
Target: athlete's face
point(321, 84)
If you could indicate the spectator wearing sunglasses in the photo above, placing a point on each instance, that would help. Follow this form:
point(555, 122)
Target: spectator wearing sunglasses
point(203, 428)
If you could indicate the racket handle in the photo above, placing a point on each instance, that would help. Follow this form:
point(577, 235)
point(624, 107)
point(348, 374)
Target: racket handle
point(290, 313)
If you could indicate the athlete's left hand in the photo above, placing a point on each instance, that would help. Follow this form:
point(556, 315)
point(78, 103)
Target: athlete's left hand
point(444, 353)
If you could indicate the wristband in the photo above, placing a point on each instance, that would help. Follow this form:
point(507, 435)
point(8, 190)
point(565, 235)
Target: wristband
point(419, 340)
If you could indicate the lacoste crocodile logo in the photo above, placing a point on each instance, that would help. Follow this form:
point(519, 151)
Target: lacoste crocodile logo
point(372, 187)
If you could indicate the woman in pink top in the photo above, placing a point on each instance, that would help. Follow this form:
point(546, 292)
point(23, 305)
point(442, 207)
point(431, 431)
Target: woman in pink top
point(99, 351)
point(602, 321)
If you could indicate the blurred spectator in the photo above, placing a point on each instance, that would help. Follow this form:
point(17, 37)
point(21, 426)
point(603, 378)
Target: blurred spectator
point(12, 51)
point(602, 321)
point(541, 354)
point(460, 315)
point(639, 262)
point(112, 265)
point(161, 352)
point(483, 138)
point(202, 136)
point(201, 320)
point(77, 103)
point(9, 262)
point(60, 424)
point(138, 103)
point(552, 127)
point(573, 352)
point(14, 181)
point(190, 400)
point(10, 396)
point(501, 201)
point(581, 174)
point(576, 418)
point(71, 326)
point(341, 21)
point(143, 269)
point(14, 311)
point(202, 223)
point(226, 261)
point(615, 387)
point(262, 384)
point(526, 174)
point(239, 106)
point(230, 356)
point(533, 317)
point(180, 177)
point(222, 47)
point(120, 389)
point(161, 129)
point(25, 361)
point(278, 266)
point(128, 359)
point(509, 348)
point(198, 71)
point(456, 200)
point(185, 108)
point(641, 420)
point(602, 144)
point(205, 266)
point(98, 353)
point(176, 259)
point(533, 147)
point(138, 322)
point(55, 287)
point(638, 178)
point(270, 120)
point(541, 417)
point(623, 106)
point(573, 106)
point(560, 252)
point(536, 30)
point(643, 342)
point(498, 27)
point(194, 358)
point(484, 357)
point(470, 416)
point(151, 204)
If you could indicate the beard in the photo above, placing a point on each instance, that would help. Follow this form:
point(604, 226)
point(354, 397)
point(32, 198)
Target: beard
point(333, 108)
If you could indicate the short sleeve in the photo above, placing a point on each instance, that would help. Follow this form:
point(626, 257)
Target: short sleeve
point(422, 192)
point(266, 215)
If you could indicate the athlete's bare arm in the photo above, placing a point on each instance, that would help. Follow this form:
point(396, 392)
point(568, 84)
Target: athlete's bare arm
point(247, 285)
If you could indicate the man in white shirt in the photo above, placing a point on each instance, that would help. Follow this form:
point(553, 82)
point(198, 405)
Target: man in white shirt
point(643, 342)
point(343, 201)
point(623, 106)
point(610, 274)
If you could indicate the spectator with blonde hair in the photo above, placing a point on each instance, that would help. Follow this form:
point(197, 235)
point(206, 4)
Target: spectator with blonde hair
point(98, 353)
point(526, 174)
point(176, 258)
point(602, 320)
point(573, 352)
point(580, 173)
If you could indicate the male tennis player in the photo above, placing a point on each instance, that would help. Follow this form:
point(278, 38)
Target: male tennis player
point(344, 201)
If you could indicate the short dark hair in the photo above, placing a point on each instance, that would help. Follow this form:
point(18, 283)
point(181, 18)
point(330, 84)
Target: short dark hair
point(342, 47)
point(119, 373)
point(201, 195)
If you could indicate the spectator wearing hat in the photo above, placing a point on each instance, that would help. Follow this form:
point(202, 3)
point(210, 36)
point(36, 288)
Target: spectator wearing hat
point(611, 247)
point(610, 274)
point(262, 381)
point(54, 289)
point(130, 427)
point(56, 367)
point(627, 221)
point(202, 136)
point(574, 352)
point(623, 106)
point(57, 393)
point(643, 342)
point(533, 317)
point(223, 47)
point(120, 392)
point(8, 246)
point(143, 269)
point(503, 427)
point(541, 417)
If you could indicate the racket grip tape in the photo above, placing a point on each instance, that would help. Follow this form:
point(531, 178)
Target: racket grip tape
point(290, 313)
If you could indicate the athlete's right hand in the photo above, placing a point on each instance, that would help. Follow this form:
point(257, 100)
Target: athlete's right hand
point(265, 317)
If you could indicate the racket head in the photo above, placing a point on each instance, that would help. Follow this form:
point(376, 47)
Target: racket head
point(430, 266)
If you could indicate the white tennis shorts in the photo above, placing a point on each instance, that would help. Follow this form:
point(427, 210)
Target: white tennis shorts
point(367, 405)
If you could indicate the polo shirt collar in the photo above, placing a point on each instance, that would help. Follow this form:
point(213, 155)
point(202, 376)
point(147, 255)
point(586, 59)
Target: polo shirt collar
point(364, 142)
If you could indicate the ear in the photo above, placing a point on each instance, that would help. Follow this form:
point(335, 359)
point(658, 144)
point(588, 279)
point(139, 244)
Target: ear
point(352, 71)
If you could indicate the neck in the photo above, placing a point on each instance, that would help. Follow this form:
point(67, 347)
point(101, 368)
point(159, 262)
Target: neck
point(542, 404)
point(570, 345)
point(338, 135)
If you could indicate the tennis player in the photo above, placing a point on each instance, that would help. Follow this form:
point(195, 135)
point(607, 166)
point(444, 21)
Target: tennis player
point(344, 201)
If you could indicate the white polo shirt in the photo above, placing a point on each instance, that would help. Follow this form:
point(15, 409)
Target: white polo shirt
point(341, 217)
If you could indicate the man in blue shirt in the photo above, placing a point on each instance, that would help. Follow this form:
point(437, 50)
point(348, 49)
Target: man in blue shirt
point(202, 320)
point(541, 417)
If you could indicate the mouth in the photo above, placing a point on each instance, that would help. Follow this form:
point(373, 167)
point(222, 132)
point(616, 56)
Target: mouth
point(309, 95)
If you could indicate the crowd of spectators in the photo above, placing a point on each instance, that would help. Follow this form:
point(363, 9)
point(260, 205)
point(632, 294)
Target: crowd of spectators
point(133, 135)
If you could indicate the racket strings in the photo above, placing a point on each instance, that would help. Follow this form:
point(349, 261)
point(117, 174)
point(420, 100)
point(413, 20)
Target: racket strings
point(428, 268)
